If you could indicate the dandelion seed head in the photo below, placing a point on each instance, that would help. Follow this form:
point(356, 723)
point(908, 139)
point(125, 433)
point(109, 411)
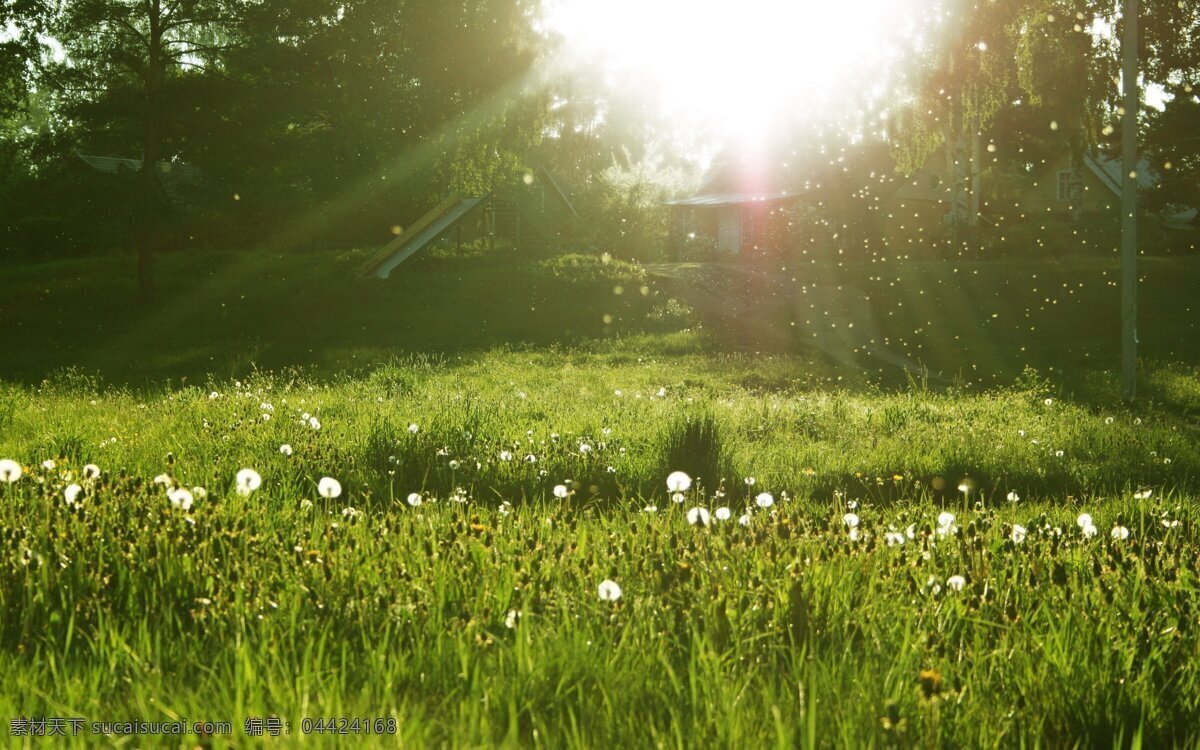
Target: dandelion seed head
point(71, 494)
point(180, 498)
point(248, 480)
point(10, 471)
point(678, 481)
point(609, 591)
point(329, 488)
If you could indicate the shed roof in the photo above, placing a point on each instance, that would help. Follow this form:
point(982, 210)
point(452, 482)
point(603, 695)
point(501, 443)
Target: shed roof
point(183, 183)
point(1109, 172)
point(734, 180)
point(728, 199)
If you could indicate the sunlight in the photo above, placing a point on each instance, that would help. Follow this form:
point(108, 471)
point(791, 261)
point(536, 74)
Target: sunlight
point(739, 69)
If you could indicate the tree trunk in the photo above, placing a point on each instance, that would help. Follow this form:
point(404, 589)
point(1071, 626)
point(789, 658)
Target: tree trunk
point(958, 216)
point(976, 172)
point(957, 179)
point(152, 197)
point(1077, 155)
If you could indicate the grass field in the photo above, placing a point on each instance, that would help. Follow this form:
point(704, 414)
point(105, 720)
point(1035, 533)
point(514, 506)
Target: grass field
point(922, 519)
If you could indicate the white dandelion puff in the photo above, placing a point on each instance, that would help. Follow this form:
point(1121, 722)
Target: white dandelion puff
point(945, 521)
point(956, 583)
point(723, 514)
point(1013, 497)
point(850, 520)
point(609, 591)
point(285, 449)
point(180, 498)
point(248, 480)
point(71, 494)
point(329, 488)
point(1018, 534)
point(561, 491)
point(413, 429)
point(414, 499)
point(678, 481)
point(698, 516)
point(91, 471)
point(10, 470)
point(1120, 533)
point(764, 500)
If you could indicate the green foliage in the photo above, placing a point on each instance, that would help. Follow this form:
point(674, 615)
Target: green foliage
point(243, 604)
point(473, 618)
point(693, 443)
point(1173, 144)
point(589, 269)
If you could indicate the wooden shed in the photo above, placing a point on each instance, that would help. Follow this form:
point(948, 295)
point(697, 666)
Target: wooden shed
point(740, 211)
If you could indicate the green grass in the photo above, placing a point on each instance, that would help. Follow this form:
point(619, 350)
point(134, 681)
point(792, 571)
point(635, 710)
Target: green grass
point(785, 632)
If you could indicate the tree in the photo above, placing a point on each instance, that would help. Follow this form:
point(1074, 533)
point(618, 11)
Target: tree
point(1172, 141)
point(966, 82)
point(1066, 71)
point(1171, 40)
point(122, 59)
point(347, 118)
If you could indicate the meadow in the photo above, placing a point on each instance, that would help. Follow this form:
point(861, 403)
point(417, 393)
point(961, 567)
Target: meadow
point(577, 502)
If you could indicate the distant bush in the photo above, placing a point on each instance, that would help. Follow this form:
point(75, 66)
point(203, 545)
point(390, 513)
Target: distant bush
point(591, 268)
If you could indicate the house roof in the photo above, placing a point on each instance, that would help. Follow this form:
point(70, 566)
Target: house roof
point(545, 174)
point(183, 183)
point(733, 181)
point(1109, 172)
point(728, 199)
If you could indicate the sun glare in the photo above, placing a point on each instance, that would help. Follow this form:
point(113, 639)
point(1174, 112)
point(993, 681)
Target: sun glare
point(737, 69)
